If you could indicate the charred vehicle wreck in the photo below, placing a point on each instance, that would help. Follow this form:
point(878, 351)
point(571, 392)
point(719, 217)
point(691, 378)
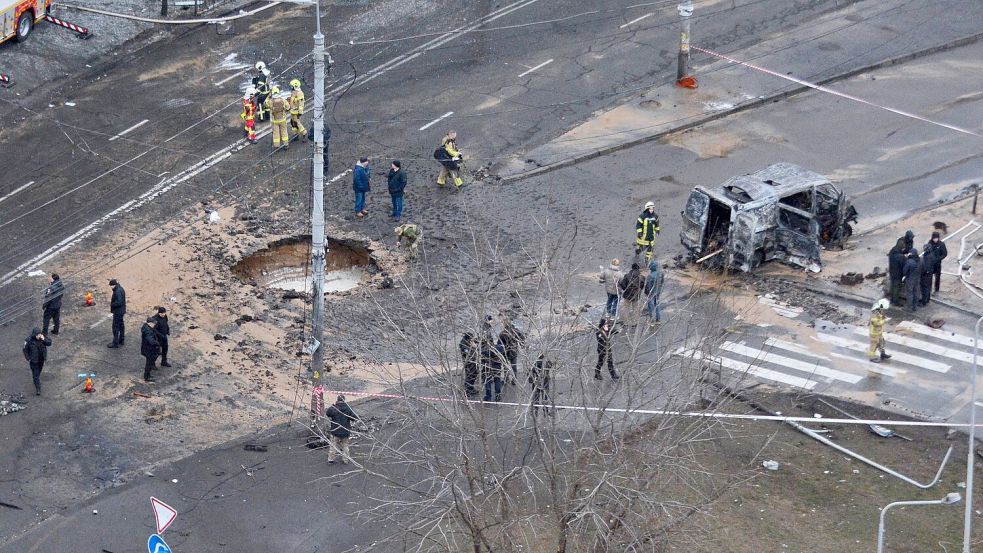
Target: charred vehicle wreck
point(783, 212)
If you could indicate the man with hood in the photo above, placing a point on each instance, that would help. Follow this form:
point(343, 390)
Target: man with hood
point(939, 252)
point(342, 417)
point(149, 347)
point(927, 267)
point(653, 289)
point(909, 240)
point(52, 303)
point(610, 278)
point(163, 334)
point(876, 327)
point(895, 269)
point(912, 279)
point(631, 286)
point(36, 353)
point(117, 306)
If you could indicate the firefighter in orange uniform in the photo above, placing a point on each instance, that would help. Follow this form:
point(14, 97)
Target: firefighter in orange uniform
point(279, 109)
point(248, 115)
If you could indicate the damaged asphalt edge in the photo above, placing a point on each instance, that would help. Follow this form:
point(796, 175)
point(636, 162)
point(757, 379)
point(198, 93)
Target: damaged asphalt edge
point(964, 41)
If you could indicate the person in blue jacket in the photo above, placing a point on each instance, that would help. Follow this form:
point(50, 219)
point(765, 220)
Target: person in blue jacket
point(360, 183)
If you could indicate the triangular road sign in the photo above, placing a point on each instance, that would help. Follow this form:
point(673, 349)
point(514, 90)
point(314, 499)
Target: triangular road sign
point(163, 513)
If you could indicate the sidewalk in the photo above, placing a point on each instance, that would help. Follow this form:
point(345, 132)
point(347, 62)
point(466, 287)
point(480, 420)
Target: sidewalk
point(828, 50)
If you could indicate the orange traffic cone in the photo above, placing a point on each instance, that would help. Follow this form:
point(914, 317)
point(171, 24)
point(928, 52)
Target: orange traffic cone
point(89, 302)
point(88, 386)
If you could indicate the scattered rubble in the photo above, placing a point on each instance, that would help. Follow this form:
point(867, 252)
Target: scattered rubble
point(11, 403)
point(851, 279)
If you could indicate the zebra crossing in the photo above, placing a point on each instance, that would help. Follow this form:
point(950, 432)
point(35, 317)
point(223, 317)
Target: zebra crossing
point(837, 357)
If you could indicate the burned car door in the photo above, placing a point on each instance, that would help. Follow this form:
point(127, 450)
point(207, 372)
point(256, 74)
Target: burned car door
point(695, 217)
point(797, 238)
point(743, 250)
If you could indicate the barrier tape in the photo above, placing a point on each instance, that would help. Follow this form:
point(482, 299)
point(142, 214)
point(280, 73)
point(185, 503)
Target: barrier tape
point(662, 412)
point(850, 97)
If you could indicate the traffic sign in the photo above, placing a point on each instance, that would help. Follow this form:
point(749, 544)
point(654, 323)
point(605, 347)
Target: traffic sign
point(155, 544)
point(164, 514)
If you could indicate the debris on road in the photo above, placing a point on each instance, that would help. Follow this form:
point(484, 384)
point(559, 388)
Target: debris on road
point(770, 465)
point(851, 279)
point(11, 403)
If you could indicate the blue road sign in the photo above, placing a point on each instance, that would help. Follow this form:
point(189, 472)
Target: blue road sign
point(155, 544)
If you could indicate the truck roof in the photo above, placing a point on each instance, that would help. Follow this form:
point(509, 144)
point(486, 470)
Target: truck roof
point(775, 181)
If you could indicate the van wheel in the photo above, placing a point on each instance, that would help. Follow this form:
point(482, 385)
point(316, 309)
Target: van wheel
point(757, 259)
point(25, 23)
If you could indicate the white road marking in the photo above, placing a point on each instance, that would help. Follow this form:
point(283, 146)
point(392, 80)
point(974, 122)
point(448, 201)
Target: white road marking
point(227, 79)
point(936, 333)
point(16, 191)
point(636, 20)
point(207, 163)
point(879, 368)
point(749, 368)
point(900, 357)
point(540, 66)
point(437, 120)
point(787, 362)
point(927, 347)
point(100, 321)
point(131, 129)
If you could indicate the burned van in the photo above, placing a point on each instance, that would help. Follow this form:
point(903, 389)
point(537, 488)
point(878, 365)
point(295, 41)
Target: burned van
point(783, 212)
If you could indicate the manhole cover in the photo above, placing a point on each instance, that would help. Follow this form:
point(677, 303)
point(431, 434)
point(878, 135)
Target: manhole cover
point(286, 265)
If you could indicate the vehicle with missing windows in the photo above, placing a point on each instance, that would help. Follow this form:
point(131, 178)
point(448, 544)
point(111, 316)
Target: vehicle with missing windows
point(783, 213)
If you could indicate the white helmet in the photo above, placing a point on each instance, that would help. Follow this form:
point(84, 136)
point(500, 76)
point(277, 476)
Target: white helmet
point(250, 92)
point(881, 304)
point(649, 205)
point(260, 66)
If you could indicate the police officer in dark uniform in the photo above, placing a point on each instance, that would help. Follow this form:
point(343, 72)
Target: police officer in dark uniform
point(163, 331)
point(117, 306)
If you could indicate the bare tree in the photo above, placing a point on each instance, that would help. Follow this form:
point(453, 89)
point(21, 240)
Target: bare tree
point(595, 468)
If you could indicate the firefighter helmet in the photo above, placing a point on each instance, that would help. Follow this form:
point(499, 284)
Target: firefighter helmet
point(260, 66)
point(882, 304)
point(649, 205)
point(275, 90)
point(295, 84)
point(250, 92)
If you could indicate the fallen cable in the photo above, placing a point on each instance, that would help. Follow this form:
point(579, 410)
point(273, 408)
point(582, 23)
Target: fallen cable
point(663, 412)
point(168, 21)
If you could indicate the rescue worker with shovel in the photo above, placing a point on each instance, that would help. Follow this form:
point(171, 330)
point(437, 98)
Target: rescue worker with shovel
point(877, 321)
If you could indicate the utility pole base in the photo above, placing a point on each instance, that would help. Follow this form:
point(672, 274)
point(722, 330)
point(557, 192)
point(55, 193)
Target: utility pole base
point(687, 82)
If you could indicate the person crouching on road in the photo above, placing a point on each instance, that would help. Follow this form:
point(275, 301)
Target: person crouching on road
point(413, 236)
point(342, 417)
point(36, 353)
point(360, 183)
point(296, 109)
point(876, 327)
point(149, 347)
point(450, 159)
point(163, 330)
point(397, 186)
point(278, 108)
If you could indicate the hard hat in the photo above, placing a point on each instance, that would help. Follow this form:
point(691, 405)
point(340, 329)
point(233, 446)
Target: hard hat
point(275, 90)
point(295, 84)
point(397, 230)
point(649, 204)
point(247, 95)
point(260, 66)
point(883, 303)
point(251, 91)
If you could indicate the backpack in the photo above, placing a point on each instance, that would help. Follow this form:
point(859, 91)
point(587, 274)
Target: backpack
point(440, 154)
point(27, 351)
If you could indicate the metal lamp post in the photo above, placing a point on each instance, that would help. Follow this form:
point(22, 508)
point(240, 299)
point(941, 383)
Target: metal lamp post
point(970, 456)
point(949, 499)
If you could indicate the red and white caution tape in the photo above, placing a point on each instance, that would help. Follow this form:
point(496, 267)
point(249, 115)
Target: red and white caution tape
point(822, 88)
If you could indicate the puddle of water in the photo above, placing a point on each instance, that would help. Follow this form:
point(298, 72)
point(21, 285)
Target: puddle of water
point(285, 265)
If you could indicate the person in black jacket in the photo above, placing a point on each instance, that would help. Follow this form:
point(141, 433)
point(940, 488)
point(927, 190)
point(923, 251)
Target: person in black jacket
point(512, 339)
point(52, 303)
point(149, 347)
point(163, 331)
point(493, 362)
point(341, 417)
point(470, 356)
point(909, 240)
point(397, 184)
point(604, 333)
point(36, 353)
point(631, 286)
point(895, 268)
point(117, 306)
point(927, 268)
point(912, 279)
point(939, 252)
point(540, 377)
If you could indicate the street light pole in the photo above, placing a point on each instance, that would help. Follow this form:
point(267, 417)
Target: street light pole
point(971, 455)
point(685, 9)
point(318, 250)
point(949, 499)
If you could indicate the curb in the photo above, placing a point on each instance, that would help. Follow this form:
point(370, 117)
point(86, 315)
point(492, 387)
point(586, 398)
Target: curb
point(743, 107)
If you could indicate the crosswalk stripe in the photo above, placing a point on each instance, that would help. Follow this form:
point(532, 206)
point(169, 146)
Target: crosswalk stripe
point(922, 345)
point(938, 334)
point(879, 368)
point(751, 369)
point(789, 346)
point(788, 362)
point(898, 356)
